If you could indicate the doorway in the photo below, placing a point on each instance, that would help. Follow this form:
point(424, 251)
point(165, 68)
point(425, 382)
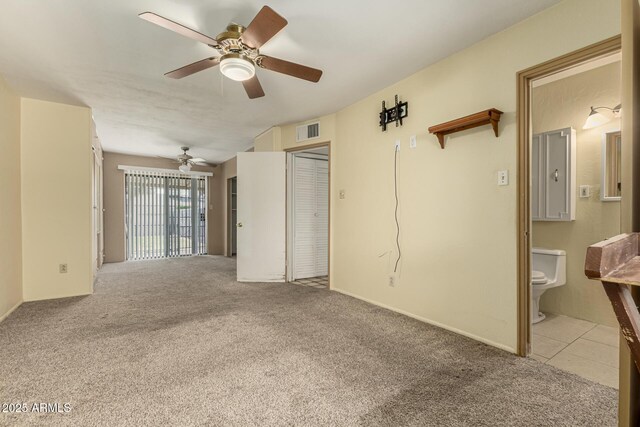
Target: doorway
point(98, 212)
point(165, 214)
point(525, 81)
point(308, 217)
point(232, 216)
point(575, 202)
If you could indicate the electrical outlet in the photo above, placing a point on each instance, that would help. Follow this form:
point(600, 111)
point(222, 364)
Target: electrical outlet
point(392, 281)
point(342, 194)
point(397, 145)
point(63, 268)
point(413, 142)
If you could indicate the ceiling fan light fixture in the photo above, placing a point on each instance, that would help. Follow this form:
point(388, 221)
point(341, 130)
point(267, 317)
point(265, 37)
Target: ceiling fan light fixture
point(237, 67)
point(185, 168)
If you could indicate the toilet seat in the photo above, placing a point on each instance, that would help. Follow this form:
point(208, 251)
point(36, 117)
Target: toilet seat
point(538, 278)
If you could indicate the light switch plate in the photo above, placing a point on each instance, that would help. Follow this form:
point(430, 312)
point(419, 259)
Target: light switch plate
point(585, 191)
point(503, 177)
point(413, 142)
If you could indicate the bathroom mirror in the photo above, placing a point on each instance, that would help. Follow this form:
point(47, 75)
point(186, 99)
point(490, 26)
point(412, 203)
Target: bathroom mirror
point(610, 190)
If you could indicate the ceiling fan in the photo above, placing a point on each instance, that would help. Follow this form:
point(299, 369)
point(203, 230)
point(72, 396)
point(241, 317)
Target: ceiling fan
point(187, 161)
point(239, 49)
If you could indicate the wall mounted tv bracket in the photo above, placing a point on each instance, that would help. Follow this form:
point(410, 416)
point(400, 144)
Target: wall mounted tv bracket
point(394, 114)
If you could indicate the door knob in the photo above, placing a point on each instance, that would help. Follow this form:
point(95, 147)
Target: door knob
point(555, 175)
point(239, 225)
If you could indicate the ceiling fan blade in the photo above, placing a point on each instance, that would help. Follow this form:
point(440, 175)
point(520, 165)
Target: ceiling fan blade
point(167, 158)
point(187, 70)
point(198, 160)
point(290, 68)
point(265, 25)
point(178, 28)
point(253, 87)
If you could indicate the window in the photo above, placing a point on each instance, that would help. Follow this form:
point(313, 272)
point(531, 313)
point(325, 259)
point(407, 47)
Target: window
point(166, 215)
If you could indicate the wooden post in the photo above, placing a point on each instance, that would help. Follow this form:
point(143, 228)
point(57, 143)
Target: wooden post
point(616, 263)
point(627, 314)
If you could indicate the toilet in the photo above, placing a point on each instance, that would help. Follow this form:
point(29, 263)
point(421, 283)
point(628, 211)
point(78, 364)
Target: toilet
point(548, 270)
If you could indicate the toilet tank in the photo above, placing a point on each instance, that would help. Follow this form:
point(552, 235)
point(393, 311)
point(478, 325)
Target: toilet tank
point(552, 262)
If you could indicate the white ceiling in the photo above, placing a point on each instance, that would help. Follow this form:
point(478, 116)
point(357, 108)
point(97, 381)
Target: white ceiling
point(100, 54)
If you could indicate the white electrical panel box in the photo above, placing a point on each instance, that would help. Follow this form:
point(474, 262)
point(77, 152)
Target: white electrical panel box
point(553, 176)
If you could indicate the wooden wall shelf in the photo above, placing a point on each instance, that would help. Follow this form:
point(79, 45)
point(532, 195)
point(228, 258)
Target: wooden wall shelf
point(490, 116)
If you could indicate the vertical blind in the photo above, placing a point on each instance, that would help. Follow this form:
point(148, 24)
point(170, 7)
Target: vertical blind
point(166, 214)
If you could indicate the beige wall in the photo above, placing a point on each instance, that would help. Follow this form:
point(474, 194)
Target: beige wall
point(10, 212)
point(268, 140)
point(219, 233)
point(279, 138)
point(566, 103)
point(458, 228)
point(114, 231)
point(56, 199)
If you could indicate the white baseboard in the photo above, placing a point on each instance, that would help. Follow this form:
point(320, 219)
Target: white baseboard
point(4, 316)
point(429, 321)
point(46, 298)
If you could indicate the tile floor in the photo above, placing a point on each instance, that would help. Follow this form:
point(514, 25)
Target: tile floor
point(577, 346)
point(321, 282)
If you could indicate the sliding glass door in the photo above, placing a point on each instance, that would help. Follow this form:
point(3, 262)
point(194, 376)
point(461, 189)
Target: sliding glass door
point(166, 215)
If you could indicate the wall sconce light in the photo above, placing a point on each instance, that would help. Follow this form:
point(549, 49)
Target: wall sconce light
point(596, 118)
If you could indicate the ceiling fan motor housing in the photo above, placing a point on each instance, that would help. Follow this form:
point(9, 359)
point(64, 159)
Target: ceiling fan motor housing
point(184, 157)
point(229, 41)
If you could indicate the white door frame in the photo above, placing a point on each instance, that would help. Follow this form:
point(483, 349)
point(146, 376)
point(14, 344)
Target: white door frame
point(290, 215)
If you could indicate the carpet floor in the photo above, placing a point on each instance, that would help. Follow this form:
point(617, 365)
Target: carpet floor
point(180, 342)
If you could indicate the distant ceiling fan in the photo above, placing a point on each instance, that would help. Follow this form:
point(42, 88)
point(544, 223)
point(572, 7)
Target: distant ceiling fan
point(239, 48)
point(186, 161)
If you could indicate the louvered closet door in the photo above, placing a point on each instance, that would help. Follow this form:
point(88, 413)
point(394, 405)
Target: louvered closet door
point(322, 217)
point(311, 216)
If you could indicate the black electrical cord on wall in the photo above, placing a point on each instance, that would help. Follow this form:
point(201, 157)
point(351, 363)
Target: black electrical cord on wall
point(395, 188)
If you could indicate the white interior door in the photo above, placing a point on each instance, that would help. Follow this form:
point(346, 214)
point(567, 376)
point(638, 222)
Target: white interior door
point(261, 217)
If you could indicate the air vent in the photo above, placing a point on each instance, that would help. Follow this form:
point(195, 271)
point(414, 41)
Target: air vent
point(306, 132)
